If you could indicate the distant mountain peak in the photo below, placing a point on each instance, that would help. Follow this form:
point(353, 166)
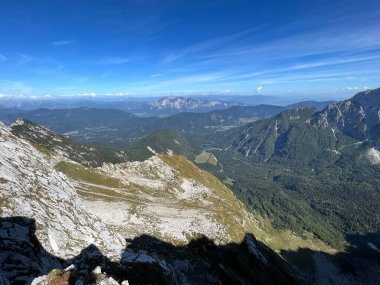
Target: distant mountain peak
point(358, 116)
point(188, 104)
point(368, 97)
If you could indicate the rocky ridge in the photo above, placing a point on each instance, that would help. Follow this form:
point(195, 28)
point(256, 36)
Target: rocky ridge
point(62, 146)
point(165, 196)
point(31, 187)
point(50, 222)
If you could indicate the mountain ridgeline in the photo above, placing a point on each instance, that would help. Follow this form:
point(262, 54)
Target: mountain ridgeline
point(303, 135)
point(117, 128)
point(172, 105)
point(304, 166)
point(161, 221)
point(160, 184)
point(49, 141)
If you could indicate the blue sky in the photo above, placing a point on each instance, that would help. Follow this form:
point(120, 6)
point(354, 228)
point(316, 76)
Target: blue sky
point(296, 48)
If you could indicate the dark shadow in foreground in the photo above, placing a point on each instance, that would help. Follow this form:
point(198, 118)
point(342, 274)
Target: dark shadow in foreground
point(148, 260)
point(145, 260)
point(358, 264)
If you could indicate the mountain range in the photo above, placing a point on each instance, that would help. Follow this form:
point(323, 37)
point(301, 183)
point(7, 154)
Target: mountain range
point(232, 196)
point(309, 166)
point(117, 128)
point(144, 105)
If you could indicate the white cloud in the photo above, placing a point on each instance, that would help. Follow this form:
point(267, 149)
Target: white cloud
point(155, 75)
point(2, 58)
point(259, 89)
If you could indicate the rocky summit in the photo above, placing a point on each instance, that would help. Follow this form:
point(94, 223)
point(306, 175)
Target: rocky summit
point(161, 221)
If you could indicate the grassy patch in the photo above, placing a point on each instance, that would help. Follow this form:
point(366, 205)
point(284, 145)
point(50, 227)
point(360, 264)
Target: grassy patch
point(188, 170)
point(89, 175)
point(205, 157)
point(212, 160)
point(229, 181)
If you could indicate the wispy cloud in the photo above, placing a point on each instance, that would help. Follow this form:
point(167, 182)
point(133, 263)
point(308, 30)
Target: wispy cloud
point(62, 43)
point(323, 41)
point(57, 64)
point(178, 82)
point(24, 58)
point(333, 62)
point(206, 45)
point(112, 61)
point(318, 42)
point(327, 46)
point(105, 75)
point(309, 65)
point(14, 87)
point(82, 79)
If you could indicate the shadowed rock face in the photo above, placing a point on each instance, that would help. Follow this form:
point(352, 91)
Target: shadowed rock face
point(146, 260)
point(21, 255)
point(358, 264)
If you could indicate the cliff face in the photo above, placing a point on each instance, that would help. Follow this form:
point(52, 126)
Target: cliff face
point(30, 187)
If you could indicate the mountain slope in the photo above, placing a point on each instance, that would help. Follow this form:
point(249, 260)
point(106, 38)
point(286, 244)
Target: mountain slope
point(45, 224)
point(358, 117)
point(303, 135)
point(62, 145)
point(66, 120)
point(218, 120)
point(319, 105)
point(301, 159)
point(31, 187)
point(165, 196)
point(162, 141)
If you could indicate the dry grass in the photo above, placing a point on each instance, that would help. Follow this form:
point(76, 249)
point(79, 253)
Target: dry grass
point(89, 175)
